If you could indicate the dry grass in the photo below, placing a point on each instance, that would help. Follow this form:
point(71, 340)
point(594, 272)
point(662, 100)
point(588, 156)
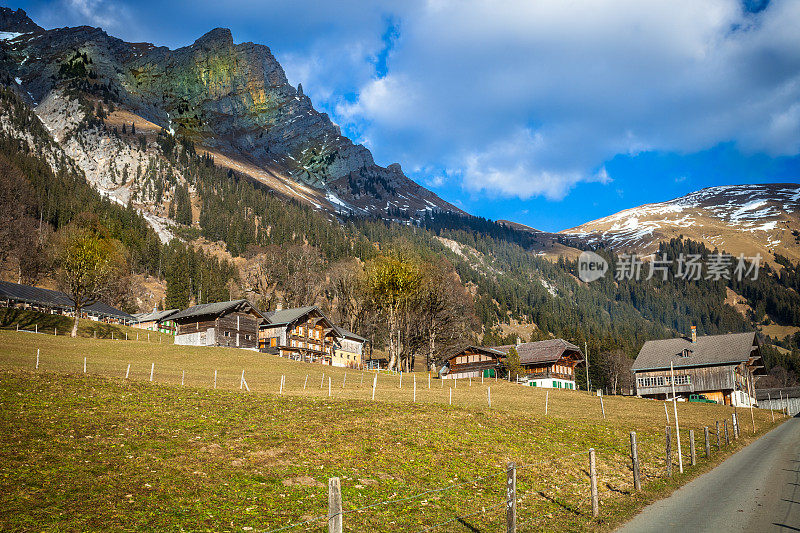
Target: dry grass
point(201, 459)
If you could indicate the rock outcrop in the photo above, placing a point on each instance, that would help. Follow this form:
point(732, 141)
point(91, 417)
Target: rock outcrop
point(232, 98)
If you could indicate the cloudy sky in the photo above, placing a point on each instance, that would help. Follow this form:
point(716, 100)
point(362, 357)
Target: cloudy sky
point(546, 112)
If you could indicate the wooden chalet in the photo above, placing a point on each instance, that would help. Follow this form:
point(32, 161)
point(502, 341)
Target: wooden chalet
point(157, 321)
point(58, 303)
point(473, 361)
point(300, 333)
point(233, 324)
point(550, 363)
point(721, 367)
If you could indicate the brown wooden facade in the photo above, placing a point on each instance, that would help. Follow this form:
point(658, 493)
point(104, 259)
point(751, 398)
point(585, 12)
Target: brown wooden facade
point(232, 324)
point(718, 383)
point(302, 334)
point(474, 361)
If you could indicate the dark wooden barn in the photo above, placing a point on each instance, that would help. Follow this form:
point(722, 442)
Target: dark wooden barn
point(233, 324)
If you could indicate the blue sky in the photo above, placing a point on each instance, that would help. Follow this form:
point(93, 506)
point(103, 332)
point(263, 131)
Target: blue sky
point(548, 113)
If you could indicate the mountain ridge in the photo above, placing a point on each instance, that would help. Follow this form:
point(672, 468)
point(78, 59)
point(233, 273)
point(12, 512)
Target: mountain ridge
point(232, 98)
point(749, 219)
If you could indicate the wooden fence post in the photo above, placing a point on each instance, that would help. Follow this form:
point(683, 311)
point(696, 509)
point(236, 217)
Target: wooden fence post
point(546, 401)
point(306, 382)
point(451, 396)
point(727, 438)
point(329, 386)
point(183, 376)
point(691, 447)
point(593, 484)
point(669, 452)
point(718, 444)
point(374, 383)
point(429, 380)
point(127, 372)
point(334, 505)
point(708, 442)
point(637, 484)
point(735, 425)
point(415, 389)
point(345, 379)
point(152, 368)
point(215, 379)
point(511, 498)
point(602, 408)
point(666, 412)
point(322, 382)
point(84, 365)
point(37, 358)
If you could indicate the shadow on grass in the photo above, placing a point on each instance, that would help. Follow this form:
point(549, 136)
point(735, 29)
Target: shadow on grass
point(561, 504)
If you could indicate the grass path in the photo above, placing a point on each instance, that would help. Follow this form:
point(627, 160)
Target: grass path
point(96, 451)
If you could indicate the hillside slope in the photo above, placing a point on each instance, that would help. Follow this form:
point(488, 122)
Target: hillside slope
point(745, 219)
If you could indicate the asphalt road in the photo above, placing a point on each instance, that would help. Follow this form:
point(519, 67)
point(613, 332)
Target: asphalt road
point(758, 489)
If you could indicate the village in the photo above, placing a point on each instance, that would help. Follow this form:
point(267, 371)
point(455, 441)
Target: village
point(719, 369)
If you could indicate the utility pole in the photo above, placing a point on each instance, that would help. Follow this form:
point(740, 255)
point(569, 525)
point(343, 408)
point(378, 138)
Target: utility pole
point(586, 356)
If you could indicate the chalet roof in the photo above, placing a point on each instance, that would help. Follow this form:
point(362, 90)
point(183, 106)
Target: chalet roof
point(479, 349)
point(732, 348)
point(348, 334)
point(287, 316)
point(547, 351)
point(215, 309)
point(155, 316)
point(50, 298)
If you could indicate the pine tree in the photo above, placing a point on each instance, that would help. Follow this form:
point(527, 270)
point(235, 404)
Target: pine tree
point(178, 281)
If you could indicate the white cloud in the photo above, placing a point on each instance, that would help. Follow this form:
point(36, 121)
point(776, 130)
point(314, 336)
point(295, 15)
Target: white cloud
point(111, 16)
point(530, 98)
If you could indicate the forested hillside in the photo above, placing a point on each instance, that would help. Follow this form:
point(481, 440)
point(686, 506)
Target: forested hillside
point(475, 281)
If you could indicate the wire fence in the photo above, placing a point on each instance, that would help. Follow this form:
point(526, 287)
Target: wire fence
point(579, 495)
point(561, 497)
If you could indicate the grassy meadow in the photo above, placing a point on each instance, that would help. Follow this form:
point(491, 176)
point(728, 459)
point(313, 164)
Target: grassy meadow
point(96, 451)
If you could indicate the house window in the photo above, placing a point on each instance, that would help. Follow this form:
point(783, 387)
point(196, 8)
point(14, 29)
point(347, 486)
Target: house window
point(685, 353)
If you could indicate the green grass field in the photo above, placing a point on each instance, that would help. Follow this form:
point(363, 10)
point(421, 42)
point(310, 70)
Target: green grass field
point(96, 451)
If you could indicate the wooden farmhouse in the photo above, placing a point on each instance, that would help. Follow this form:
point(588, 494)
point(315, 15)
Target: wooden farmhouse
point(233, 324)
point(157, 321)
point(473, 361)
point(721, 367)
point(58, 303)
point(300, 333)
point(550, 363)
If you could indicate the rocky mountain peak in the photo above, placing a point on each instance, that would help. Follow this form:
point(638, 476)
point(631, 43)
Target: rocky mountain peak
point(215, 39)
point(17, 21)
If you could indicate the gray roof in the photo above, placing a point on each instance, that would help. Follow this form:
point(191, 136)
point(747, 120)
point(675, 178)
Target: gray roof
point(215, 309)
point(547, 351)
point(155, 316)
point(287, 316)
point(56, 299)
point(732, 348)
point(348, 334)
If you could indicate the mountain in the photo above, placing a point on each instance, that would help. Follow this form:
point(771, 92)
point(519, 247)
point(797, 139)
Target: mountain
point(746, 219)
point(231, 100)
